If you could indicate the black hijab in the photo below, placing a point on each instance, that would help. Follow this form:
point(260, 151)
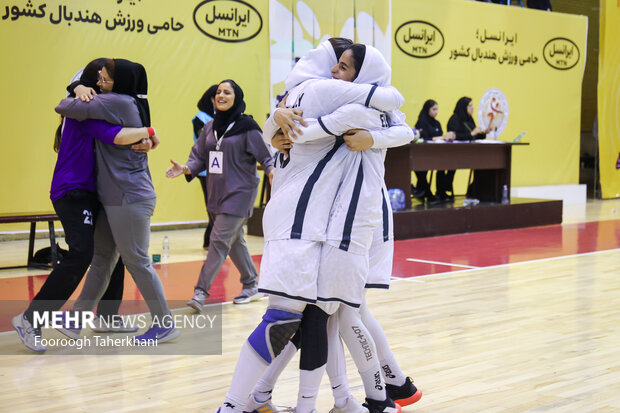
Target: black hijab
point(205, 104)
point(460, 110)
point(461, 123)
point(130, 79)
point(429, 126)
point(90, 74)
point(222, 119)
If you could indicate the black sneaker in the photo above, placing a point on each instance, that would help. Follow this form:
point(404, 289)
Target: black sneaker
point(385, 406)
point(404, 395)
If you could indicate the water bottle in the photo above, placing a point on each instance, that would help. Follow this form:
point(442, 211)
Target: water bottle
point(397, 199)
point(505, 199)
point(165, 248)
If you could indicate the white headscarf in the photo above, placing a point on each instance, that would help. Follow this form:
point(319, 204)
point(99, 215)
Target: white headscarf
point(375, 70)
point(316, 64)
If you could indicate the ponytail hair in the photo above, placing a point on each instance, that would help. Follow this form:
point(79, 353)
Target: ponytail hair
point(58, 136)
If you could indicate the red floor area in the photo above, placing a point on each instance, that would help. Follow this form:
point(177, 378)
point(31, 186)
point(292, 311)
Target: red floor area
point(448, 253)
point(483, 249)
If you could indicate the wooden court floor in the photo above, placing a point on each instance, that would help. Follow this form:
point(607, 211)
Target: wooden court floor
point(504, 321)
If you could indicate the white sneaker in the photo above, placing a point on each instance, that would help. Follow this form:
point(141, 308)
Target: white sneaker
point(352, 406)
point(229, 408)
point(248, 295)
point(254, 406)
point(198, 299)
point(113, 324)
point(30, 336)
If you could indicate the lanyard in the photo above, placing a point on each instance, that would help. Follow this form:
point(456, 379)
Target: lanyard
point(219, 140)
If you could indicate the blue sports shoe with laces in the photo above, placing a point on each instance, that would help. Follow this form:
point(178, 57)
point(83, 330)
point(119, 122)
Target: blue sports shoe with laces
point(160, 334)
point(69, 327)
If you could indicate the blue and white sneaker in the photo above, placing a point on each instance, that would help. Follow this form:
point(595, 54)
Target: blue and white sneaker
point(248, 295)
point(70, 329)
point(254, 405)
point(160, 334)
point(30, 336)
point(229, 408)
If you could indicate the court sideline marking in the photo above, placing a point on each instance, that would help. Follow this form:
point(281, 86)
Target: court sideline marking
point(441, 263)
point(468, 270)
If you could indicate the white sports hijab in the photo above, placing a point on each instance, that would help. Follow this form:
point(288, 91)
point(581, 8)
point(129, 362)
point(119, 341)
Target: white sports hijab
point(316, 64)
point(375, 70)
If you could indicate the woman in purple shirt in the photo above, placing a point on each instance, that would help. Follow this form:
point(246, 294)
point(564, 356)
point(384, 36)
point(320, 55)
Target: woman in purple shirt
point(75, 202)
point(228, 148)
point(126, 191)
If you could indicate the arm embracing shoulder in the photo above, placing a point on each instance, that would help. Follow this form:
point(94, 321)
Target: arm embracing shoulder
point(338, 93)
point(127, 136)
point(111, 107)
point(112, 134)
point(392, 137)
point(385, 98)
point(397, 134)
point(346, 117)
point(270, 129)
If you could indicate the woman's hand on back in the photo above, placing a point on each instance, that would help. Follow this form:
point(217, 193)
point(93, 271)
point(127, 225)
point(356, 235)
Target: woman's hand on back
point(281, 142)
point(287, 120)
point(155, 140)
point(282, 103)
point(358, 139)
point(84, 93)
point(144, 146)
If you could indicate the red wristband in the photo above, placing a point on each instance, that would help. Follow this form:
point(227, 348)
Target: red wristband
point(151, 131)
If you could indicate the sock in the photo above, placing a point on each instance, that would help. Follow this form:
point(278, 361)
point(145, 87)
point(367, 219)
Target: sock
point(262, 390)
point(391, 370)
point(374, 386)
point(250, 367)
point(363, 351)
point(340, 390)
point(309, 383)
point(336, 363)
point(313, 360)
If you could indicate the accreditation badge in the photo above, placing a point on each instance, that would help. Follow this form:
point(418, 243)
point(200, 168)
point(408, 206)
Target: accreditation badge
point(216, 162)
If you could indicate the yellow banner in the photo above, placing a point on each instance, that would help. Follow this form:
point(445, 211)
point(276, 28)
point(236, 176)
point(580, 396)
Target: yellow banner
point(185, 47)
point(608, 103)
point(297, 26)
point(520, 79)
